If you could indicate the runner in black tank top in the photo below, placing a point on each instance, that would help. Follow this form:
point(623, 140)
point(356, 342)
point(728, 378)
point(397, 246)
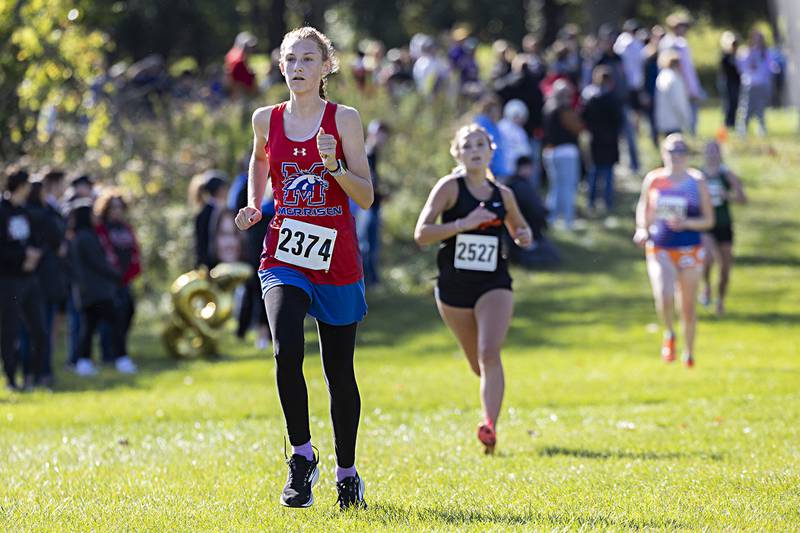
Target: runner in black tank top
point(461, 287)
point(474, 289)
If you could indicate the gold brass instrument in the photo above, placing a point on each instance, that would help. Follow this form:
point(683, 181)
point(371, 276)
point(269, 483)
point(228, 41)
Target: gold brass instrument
point(202, 301)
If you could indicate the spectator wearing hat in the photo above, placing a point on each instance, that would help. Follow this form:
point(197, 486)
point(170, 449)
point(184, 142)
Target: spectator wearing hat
point(21, 300)
point(678, 25)
point(431, 72)
point(239, 77)
point(603, 114)
point(208, 191)
point(514, 138)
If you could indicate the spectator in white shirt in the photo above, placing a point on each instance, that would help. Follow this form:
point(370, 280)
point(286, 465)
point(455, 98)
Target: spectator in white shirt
point(631, 49)
point(515, 140)
point(678, 24)
point(673, 113)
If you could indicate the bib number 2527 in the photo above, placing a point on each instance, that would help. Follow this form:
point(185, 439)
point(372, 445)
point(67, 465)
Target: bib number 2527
point(305, 245)
point(476, 252)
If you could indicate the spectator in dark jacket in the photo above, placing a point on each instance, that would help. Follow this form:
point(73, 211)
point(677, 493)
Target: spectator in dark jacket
point(603, 116)
point(20, 296)
point(208, 191)
point(728, 78)
point(120, 244)
point(543, 253)
point(49, 228)
point(95, 285)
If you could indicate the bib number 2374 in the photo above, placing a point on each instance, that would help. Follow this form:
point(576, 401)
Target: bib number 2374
point(305, 245)
point(476, 252)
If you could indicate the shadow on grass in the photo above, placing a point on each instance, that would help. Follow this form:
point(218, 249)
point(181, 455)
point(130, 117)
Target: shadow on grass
point(760, 260)
point(771, 318)
point(389, 514)
point(555, 451)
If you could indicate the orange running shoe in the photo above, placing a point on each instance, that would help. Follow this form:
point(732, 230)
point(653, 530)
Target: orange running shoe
point(487, 436)
point(668, 349)
point(688, 360)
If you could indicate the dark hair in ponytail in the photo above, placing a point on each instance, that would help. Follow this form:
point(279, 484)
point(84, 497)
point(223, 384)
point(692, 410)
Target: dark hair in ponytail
point(325, 48)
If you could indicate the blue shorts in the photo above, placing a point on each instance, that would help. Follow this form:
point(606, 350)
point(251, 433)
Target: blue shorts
point(337, 305)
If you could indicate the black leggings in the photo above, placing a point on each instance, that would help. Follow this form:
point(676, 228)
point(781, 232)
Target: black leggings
point(286, 309)
point(21, 300)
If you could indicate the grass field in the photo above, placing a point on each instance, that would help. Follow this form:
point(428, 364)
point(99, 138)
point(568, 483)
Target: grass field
point(596, 433)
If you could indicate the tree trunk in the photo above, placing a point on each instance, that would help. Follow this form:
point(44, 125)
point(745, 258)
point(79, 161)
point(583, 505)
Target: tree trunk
point(276, 23)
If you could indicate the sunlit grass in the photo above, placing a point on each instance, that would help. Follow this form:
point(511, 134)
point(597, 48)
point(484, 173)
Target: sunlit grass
point(595, 433)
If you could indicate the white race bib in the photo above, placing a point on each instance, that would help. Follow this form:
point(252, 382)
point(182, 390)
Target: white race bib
point(476, 252)
point(671, 207)
point(717, 192)
point(305, 245)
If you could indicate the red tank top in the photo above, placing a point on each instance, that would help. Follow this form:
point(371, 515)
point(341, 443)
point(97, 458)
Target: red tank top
point(305, 191)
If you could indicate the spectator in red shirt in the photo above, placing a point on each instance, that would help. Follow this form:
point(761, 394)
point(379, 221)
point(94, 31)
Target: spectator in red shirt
point(239, 77)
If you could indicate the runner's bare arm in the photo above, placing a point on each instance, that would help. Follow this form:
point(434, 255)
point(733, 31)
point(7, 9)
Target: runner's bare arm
point(259, 166)
point(443, 196)
point(356, 182)
point(642, 211)
point(257, 172)
point(738, 189)
point(516, 224)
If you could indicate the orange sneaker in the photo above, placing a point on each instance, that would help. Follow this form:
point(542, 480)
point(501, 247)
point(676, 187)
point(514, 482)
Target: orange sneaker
point(487, 436)
point(688, 360)
point(668, 349)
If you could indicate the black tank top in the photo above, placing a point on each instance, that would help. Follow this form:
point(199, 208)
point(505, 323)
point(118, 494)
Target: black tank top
point(555, 133)
point(464, 205)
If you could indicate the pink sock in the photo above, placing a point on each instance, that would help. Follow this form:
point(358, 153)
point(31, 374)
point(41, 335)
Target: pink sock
point(342, 473)
point(305, 450)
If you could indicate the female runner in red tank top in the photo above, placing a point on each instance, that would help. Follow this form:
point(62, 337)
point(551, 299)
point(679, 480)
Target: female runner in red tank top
point(313, 153)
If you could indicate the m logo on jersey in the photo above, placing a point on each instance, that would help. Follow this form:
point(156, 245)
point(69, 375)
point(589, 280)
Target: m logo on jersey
point(300, 151)
point(307, 186)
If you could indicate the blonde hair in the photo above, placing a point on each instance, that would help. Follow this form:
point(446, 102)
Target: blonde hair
point(323, 43)
point(461, 133)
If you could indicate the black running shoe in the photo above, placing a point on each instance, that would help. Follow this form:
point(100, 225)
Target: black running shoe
point(351, 493)
point(303, 474)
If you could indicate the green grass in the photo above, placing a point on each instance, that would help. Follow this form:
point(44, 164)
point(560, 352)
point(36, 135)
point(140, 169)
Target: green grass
point(595, 433)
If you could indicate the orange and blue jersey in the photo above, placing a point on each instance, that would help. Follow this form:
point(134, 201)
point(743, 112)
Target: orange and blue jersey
point(308, 196)
point(670, 200)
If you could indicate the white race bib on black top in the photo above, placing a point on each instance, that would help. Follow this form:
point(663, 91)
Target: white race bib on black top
point(305, 245)
point(476, 252)
point(717, 191)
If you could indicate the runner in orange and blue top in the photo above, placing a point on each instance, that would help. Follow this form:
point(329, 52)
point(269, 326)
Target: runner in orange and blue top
point(674, 207)
point(313, 153)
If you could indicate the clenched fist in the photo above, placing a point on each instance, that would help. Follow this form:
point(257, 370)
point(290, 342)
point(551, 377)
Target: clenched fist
point(326, 144)
point(247, 217)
